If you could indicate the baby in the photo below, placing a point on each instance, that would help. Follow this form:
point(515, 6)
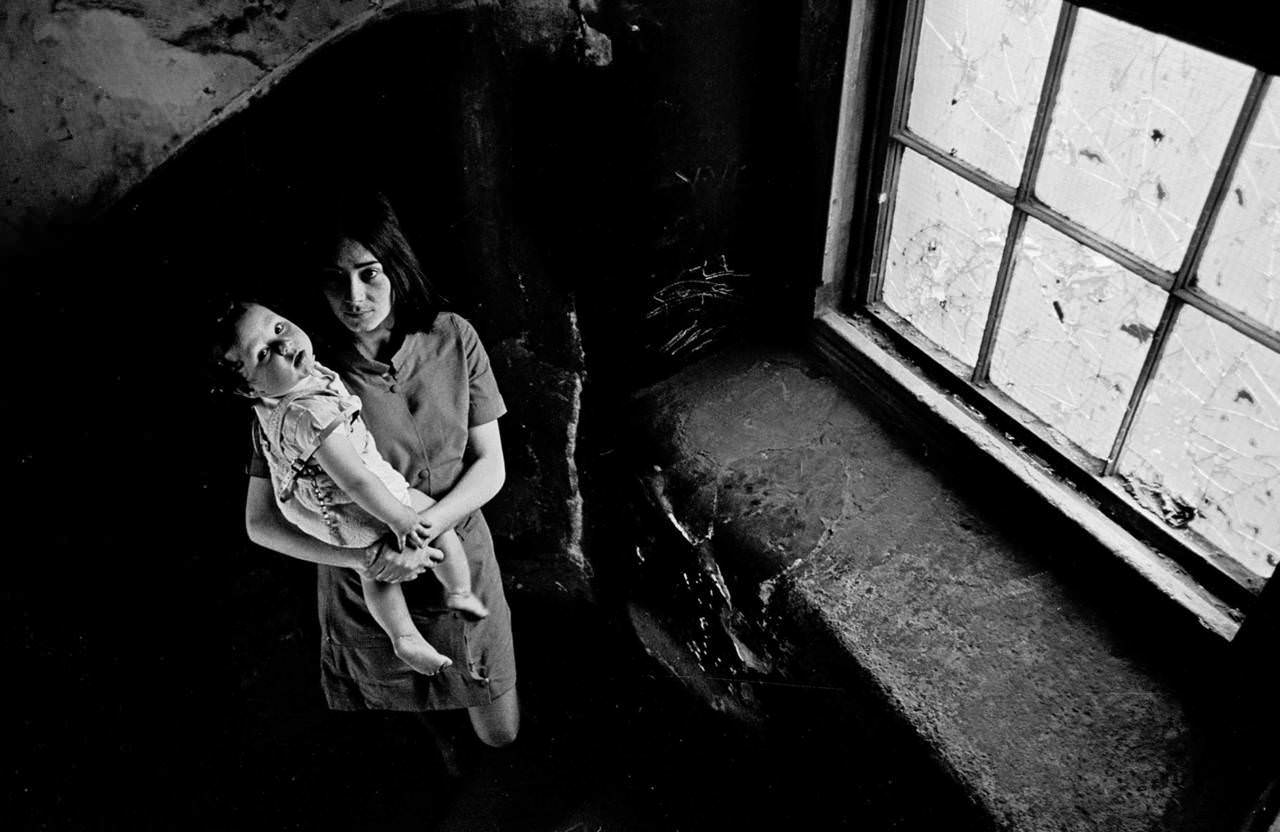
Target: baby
point(328, 477)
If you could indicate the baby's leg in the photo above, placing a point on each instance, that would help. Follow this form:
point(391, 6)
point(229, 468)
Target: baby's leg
point(386, 604)
point(455, 575)
point(453, 572)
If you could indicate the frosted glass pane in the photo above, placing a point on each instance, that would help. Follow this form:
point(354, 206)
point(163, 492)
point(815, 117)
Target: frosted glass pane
point(1075, 331)
point(978, 74)
point(1138, 130)
point(1241, 263)
point(944, 250)
point(1205, 449)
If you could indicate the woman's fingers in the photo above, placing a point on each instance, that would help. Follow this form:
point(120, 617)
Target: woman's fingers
point(395, 567)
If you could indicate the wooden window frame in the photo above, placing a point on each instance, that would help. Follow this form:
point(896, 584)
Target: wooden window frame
point(883, 44)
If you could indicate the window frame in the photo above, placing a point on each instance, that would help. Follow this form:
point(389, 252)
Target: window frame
point(880, 62)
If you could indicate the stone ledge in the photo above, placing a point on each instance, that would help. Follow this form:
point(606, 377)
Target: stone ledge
point(820, 524)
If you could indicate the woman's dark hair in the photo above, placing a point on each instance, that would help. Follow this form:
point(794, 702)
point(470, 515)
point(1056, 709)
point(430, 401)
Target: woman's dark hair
point(368, 219)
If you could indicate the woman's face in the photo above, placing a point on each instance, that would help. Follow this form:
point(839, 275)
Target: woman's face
point(357, 289)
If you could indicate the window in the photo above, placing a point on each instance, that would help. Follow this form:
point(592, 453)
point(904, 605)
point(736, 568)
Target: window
point(1078, 220)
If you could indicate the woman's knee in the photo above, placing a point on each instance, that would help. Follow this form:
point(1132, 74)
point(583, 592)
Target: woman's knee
point(498, 723)
point(497, 736)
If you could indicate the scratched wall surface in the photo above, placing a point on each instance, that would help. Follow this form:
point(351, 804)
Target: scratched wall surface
point(550, 169)
point(541, 165)
point(96, 94)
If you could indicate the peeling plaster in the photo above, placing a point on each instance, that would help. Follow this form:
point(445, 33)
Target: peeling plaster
point(594, 48)
point(573, 546)
point(116, 56)
point(97, 94)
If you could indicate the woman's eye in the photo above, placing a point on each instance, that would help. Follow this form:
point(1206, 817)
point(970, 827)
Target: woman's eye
point(279, 327)
point(372, 274)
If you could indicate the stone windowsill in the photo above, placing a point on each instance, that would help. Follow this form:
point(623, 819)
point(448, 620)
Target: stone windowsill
point(819, 523)
point(1164, 575)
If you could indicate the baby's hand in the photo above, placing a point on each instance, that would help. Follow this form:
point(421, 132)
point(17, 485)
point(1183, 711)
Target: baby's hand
point(409, 529)
point(418, 536)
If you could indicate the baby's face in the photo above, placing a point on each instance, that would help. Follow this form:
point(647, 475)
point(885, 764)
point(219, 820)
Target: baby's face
point(272, 353)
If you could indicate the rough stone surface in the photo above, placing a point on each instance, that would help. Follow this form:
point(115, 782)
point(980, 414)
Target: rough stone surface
point(96, 94)
point(821, 524)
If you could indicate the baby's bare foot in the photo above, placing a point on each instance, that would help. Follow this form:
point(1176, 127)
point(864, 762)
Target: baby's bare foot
point(417, 652)
point(466, 602)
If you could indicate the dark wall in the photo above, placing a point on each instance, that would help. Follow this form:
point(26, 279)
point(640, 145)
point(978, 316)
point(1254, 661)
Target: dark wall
point(557, 195)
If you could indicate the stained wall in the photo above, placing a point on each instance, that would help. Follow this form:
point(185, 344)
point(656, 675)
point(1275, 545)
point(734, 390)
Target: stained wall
point(607, 190)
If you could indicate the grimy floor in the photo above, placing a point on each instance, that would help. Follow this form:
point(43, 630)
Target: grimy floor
point(634, 753)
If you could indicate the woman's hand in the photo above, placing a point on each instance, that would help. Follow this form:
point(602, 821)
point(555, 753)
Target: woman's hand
point(392, 566)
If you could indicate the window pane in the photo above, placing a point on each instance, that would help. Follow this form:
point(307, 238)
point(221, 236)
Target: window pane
point(1138, 130)
point(1205, 448)
point(1075, 331)
point(977, 80)
point(944, 250)
point(1240, 263)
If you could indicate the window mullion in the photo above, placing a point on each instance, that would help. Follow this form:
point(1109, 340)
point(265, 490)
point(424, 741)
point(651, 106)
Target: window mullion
point(959, 167)
point(1195, 296)
point(903, 83)
point(1026, 186)
point(1222, 179)
point(884, 223)
point(1173, 305)
point(1179, 292)
point(1096, 242)
point(907, 64)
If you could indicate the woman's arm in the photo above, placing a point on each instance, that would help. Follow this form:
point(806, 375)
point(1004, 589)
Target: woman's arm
point(267, 527)
point(481, 479)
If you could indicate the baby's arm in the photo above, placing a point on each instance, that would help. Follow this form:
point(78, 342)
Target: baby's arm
point(338, 457)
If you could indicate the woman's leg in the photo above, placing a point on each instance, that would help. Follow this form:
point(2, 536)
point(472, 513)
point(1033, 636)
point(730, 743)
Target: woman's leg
point(386, 605)
point(497, 723)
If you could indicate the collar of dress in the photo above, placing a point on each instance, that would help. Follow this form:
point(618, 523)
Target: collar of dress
point(349, 356)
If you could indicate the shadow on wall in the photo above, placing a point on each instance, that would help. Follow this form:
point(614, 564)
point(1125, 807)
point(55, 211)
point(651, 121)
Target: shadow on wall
point(172, 638)
point(554, 200)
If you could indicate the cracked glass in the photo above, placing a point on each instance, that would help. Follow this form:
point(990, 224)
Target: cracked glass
point(979, 68)
point(1205, 449)
point(944, 250)
point(1241, 262)
point(1138, 130)
point(1075, 331)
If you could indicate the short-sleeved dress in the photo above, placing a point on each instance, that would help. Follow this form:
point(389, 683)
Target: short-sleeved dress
point(419, 408)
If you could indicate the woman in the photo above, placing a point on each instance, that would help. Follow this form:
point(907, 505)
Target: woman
point(430, 401)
